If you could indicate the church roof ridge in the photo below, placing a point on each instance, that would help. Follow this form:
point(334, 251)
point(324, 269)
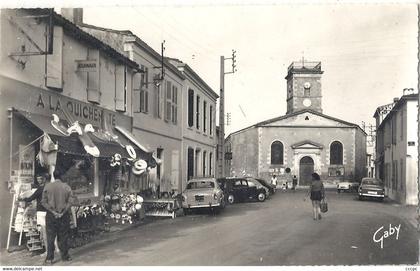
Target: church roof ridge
point(305, 111)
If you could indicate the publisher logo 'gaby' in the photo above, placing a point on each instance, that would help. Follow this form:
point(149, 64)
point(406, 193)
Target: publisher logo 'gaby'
point(383, 233)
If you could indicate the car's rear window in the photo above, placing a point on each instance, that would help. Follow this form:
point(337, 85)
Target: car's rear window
point(371, 182)
point(195, 185)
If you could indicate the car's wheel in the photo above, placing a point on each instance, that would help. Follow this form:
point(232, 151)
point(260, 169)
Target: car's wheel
point(338, 191)
point(261, 197)
point(231, 199)
point(360, 197)
point(187, 211)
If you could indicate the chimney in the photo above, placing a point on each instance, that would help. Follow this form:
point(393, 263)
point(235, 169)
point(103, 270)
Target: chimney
point(75, 15)
point(396, 99)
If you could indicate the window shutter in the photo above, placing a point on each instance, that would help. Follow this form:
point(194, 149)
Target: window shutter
point(120, 88)
point(136, 92)
point(168, 102)
point(55, 61)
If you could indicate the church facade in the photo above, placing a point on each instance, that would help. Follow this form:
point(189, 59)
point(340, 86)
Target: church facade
point(302, 141)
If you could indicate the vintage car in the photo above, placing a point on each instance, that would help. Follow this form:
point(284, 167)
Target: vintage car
point(203, 193)
point(271, 187)
point(347, 186)
point(239, 189)
point(371, 188)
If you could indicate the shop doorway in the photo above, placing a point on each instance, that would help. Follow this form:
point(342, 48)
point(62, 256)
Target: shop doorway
point(306, 168)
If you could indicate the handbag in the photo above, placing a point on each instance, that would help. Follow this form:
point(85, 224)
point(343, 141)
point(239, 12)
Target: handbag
point(324, 206)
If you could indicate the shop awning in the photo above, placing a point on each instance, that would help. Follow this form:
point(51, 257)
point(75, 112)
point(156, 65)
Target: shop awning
point(72, 144)
point(136, 142)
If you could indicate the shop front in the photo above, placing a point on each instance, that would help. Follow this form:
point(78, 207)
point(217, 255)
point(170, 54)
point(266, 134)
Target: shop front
point(47, 131)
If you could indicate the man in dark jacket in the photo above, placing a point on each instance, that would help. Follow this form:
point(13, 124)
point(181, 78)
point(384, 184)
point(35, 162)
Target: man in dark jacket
point(56, 199)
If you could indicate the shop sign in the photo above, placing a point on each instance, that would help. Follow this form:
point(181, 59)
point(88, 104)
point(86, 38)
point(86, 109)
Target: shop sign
point(87, 65)
point(81, 111)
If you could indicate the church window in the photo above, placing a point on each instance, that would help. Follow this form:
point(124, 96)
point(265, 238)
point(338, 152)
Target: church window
point(307, 92)
point(336, 153)
point(277, 153)
point(306, 118)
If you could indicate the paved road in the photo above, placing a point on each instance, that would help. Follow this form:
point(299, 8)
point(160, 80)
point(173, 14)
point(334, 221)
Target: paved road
point(280, 231)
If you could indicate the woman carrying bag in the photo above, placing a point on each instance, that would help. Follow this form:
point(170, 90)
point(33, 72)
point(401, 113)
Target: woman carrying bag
point(317, 195)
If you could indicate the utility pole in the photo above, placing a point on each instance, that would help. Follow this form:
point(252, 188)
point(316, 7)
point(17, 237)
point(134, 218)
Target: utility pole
point(221, 138)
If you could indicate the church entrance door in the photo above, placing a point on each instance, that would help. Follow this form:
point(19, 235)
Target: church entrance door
point(306, 168)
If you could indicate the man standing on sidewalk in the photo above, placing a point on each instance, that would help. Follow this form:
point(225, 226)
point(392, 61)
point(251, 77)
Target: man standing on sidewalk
point(56, 200)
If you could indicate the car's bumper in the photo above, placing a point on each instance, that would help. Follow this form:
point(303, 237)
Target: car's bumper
point(201, 205)
point(371, 195)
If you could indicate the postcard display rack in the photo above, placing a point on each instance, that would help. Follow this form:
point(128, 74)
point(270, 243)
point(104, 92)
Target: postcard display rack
point(23, 215)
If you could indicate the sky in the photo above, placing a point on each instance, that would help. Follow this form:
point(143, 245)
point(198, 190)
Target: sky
point(368, 51)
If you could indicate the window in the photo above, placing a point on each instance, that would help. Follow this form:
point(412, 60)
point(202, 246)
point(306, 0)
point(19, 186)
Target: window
point(204, 163)
point(251, 184)
point(307, 92)
point(144, 82)
point(144, 101)
point(204, 116)
point(197, 113)
point(277, 153)
point(336, 153)
point(210, 164)
point(80, 175)
point(211, 120)
point(190, 108)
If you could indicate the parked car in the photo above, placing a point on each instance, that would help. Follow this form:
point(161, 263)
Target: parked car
point(271, 187)
point(203, 193)
point(371, 188)
point(347, 186)
point(239, 189)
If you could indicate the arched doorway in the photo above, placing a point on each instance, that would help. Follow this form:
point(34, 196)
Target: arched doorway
point(306, 168)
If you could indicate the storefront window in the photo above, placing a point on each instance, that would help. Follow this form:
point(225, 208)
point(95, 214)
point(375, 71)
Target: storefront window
point(80, 175)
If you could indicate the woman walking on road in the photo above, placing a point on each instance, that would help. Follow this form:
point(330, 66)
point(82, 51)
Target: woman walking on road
point(317, 193)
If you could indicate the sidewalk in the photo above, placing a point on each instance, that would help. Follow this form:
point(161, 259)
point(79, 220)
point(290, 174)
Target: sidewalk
point(20, 256)
point(409, 213)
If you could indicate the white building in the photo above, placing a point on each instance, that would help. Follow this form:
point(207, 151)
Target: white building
point(397, 149)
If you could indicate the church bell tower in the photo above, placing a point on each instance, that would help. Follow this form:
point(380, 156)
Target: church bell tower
point(304, 86)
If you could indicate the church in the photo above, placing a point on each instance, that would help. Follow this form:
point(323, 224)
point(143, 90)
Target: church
point(302, 141)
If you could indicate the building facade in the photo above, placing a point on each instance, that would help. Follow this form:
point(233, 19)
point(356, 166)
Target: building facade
point(52, 73)
point(301, 142)
point(199, 125)
point(157, 105)
point(397, 149)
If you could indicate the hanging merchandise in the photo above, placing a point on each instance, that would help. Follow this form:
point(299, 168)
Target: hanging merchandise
point(139, 167)
point(131, 152)
point(47, 155)
point(59, 126)
point(116, 160)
